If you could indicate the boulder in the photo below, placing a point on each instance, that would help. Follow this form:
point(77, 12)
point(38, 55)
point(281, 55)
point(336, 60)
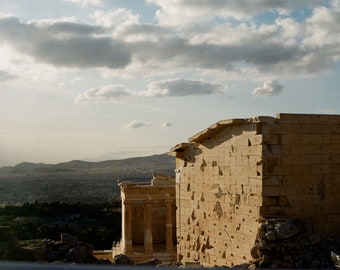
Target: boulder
point(77, 254)
point(122, 260)
point(69, 239)
point(290, 243)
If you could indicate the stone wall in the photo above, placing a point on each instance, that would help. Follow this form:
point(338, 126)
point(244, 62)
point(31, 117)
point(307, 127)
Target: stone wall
point(301, 170)
point(236, 172)
point(219, 198)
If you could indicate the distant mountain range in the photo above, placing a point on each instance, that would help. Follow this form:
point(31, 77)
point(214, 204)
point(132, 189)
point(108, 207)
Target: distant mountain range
point(163, 162)
point(77, 181)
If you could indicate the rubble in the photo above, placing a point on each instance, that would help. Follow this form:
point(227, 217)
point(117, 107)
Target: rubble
point(122, 259)
point(290, 243)
point(153, 261)
point(67, 250)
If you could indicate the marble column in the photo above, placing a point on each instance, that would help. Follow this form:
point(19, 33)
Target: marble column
point(148, 243)
point(127, 227)
point(168, 225)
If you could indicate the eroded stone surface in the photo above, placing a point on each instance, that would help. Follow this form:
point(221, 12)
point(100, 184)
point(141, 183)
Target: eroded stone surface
point(235, 173)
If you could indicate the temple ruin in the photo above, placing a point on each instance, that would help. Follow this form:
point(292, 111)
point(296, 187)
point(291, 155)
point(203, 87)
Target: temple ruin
point(148, 220)
point(263, 190)
point(236, 178)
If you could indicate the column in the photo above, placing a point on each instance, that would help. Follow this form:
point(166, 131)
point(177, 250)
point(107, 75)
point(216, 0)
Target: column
point(148, 245)
point(127, 227)
point(168, 225)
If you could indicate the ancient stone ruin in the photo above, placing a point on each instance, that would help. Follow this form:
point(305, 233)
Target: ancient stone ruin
point(68, 250)
point(262, 190)
point(148, 221)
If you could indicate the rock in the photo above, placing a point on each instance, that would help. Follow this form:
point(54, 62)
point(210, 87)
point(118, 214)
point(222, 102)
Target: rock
point(244, 266)
point(286, 229)
point(34, 252)
point(289, 243)
point(152, 261)
point(88, 249)
point(69, 250)
point(77, 254)
point(69, 239)
point(123, 260)
point(271, 235)
point(315, 263)
point(254, 252)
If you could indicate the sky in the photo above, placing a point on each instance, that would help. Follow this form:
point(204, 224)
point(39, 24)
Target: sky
point(109, 79)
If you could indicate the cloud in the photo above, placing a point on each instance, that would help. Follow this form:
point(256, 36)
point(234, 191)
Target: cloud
point(105, 93)
point(166, 124)
point(120, 45)
point(85, 3)
point(167, 88)
point(4, 76)
point(183, 12)
point(141, 124)
point(269, 88)
point(68, 44)
point(115, 17)
point(253, 47)
point(137, 124)
point(181, 88)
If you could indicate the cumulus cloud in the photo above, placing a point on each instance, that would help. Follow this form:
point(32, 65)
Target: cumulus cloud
point(120, 43)
point(115, 17)
point(136, 124)
point(269, 88)
point(105, 93)
point(85, 3)
point(180, 88)
point(177, 12)
point(167, 88)
point(80, 48)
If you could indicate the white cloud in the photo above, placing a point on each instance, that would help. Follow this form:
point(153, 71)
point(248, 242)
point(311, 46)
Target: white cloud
point(183, 12)
point(176, 87)
point(120, 45)
point(85, 3)
point(269, 88)
point(105, 93)
point(181, 88)
point(166, 124)
point(115, 18)
point(141, 124)
point(136, 124)
point(322, 28)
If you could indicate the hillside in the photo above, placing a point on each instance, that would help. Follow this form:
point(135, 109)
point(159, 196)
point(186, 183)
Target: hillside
point(77, 181)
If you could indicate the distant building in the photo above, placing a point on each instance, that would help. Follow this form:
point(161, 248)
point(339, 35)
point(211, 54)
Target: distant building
point(148, 220)
point(236, 172)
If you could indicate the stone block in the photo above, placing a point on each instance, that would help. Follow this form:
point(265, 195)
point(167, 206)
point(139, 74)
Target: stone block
point(309, 139)
point(308, 119)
